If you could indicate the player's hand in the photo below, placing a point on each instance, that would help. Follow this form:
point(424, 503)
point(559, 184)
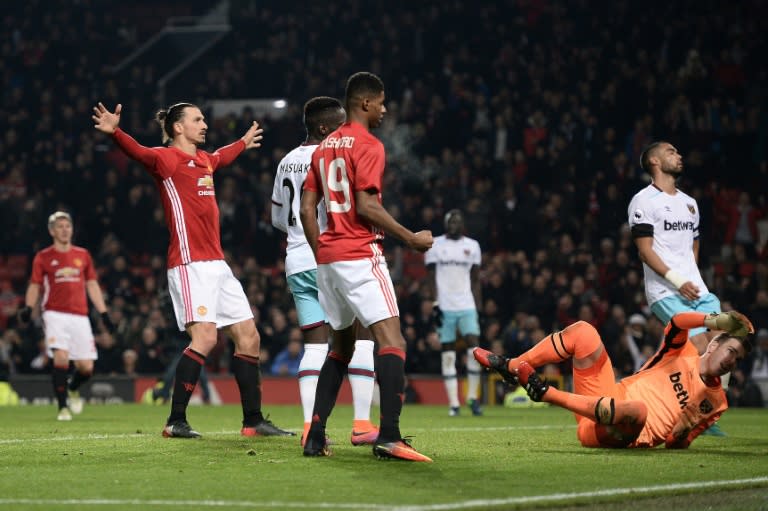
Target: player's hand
point(253, 136)
point(735, 323)
point(25, 314)
point(107, 322)
point(690, 291)
point(421, 241)
point(437, 315)
point(106, 121)
point(689, 419)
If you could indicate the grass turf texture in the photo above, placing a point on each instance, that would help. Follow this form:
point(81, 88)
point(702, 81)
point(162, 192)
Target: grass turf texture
point(113, 457)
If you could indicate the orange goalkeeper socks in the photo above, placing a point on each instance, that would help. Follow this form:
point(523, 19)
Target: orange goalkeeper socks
point(579, 340)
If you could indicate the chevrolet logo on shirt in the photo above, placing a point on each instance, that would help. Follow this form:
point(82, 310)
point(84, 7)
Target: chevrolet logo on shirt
point(205, 182)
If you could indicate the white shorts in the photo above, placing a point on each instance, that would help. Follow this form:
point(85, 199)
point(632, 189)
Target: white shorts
point(207, 292)
point(71, 333)
point(356, 289)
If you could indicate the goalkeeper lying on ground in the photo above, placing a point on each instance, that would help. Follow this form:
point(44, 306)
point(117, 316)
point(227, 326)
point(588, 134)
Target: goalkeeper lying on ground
point(673, 398)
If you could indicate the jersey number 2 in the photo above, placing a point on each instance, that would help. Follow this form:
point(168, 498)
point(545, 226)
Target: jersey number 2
point(291, 194)
point(335, 179)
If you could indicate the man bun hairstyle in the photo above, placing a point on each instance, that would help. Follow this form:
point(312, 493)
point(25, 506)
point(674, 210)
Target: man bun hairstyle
point(167, 117)
point(319, 111)
point(361, 85)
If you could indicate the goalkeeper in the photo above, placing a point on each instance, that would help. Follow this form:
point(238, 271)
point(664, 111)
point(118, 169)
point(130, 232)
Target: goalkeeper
point(673, 398)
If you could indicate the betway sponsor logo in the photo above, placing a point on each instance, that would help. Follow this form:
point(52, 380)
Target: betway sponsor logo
point(680, 393)
point(678, 225)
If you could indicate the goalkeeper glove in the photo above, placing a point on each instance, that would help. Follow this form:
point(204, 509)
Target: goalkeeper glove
point(732, 322)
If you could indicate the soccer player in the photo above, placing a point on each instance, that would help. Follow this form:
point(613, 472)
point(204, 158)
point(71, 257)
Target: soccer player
point(352, 274)
point(322, 115)
point(675, 396)
point(205, 294)
point(66, 274)
point(665, 227)
point(453, 264)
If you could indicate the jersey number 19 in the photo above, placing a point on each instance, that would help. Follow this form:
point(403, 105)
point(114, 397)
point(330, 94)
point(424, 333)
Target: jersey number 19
point(335, 179)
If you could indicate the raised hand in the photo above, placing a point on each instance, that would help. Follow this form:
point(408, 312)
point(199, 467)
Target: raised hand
point(106, 121)
point(735, 323)
point(253, 136)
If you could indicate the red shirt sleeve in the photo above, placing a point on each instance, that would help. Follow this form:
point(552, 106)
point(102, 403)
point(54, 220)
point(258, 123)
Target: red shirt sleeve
point(145, 155)
point(37, 270)
point(369, 167)
point(90, 271)
point(223, 156)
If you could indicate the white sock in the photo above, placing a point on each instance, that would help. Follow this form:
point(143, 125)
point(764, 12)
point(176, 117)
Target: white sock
point(449, 377)
point(309, 369)
point(473, 375)
point(361, 379)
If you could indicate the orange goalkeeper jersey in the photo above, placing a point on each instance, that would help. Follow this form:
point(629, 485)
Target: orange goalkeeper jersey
point(668, 382)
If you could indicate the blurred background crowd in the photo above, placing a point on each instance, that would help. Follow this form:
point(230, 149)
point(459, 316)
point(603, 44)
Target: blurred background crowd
point(528, 115)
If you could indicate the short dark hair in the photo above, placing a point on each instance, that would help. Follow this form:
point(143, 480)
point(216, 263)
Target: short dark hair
point(167, 117)
point(362, 84)
point(645, 156)
point(746, 341)
point(320, 110)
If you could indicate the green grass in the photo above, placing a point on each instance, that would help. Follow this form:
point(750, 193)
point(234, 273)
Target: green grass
point(113, 457)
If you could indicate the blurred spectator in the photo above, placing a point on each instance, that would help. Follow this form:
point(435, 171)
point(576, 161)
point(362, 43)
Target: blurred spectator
point(286, 362)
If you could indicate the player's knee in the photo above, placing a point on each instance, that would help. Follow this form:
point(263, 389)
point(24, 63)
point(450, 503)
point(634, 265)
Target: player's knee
point(580, 330)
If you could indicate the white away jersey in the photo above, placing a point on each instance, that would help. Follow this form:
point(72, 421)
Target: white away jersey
point(453, 260)
point(673, 221)
point(286, 199)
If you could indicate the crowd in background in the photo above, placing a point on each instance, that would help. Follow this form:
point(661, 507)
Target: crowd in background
point(528, 115)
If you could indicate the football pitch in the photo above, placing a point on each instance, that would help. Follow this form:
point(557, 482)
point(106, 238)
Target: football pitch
point(113, 457)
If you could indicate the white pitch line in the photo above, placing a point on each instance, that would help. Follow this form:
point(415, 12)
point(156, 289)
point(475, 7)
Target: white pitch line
point(467, 504)
point(339, 431)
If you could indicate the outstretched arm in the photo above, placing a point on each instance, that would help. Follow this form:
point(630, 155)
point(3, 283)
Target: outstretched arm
point(251, 140)
point(108, 122)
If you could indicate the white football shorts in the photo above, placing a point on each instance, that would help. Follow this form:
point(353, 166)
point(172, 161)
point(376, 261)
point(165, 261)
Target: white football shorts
point(207, 292)
point(356, 289)
point(69, 332)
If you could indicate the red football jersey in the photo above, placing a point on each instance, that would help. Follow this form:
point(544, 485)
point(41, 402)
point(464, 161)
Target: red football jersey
point(350, 159)
point(62, 276)
point(188, 196)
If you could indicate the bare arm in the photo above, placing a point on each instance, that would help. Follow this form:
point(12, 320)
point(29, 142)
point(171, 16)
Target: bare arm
point(368, 208)
point(696, 251)
point(308, 214)
point(96, 296)
point(474, 275)
point(32, 296)
point(432, 280)
point(649, 256)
